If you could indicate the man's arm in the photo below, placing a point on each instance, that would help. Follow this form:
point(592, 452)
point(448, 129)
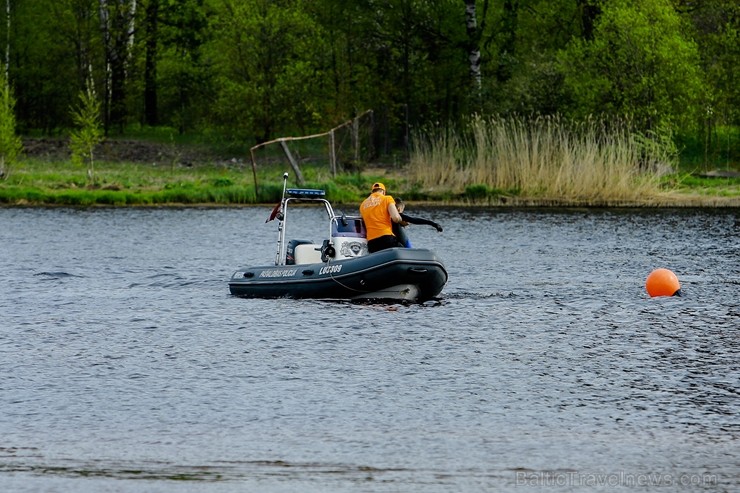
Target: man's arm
point(393, 211)
point(419, 220)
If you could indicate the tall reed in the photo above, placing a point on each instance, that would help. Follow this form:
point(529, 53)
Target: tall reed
point(544, 157)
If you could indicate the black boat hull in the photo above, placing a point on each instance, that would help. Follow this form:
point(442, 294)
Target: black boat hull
point(414, 274)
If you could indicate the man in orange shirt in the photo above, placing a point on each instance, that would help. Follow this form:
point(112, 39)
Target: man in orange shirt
point(379, 213)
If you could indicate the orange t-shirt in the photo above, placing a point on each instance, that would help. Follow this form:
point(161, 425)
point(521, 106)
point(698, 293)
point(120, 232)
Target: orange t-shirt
point(374, 211)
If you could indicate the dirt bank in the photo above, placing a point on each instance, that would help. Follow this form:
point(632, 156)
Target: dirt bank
point(126, 150)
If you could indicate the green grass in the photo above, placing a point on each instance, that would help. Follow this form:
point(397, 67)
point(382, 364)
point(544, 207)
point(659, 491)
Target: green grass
point(61, 183)
point(707, 186)
point(715, 150)
point(496, 161)
point(35, 182)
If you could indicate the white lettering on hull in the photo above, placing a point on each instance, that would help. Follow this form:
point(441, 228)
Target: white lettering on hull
point(278, 273)
point(330, 269)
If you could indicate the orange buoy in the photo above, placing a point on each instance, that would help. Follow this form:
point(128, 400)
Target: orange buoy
point(662, 282)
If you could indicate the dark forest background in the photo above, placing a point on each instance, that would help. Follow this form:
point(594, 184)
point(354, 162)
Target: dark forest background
point(251, 70)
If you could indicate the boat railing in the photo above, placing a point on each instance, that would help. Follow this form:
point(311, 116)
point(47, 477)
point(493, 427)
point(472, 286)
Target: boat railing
point(297, 195)
point(345, 236)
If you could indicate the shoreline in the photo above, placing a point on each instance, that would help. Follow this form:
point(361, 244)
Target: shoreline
point(686, 202)
point(125, 184)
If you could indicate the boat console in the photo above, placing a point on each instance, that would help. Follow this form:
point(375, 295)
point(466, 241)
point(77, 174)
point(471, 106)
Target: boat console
point(348, 237)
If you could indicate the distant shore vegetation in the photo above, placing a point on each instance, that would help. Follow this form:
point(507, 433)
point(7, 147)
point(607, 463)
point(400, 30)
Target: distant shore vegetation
point(491, 161)
point(548, 102)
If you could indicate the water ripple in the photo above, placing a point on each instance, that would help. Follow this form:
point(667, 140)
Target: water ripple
point(124, 358)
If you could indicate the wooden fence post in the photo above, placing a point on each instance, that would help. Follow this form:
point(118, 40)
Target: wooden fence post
point(293, 163)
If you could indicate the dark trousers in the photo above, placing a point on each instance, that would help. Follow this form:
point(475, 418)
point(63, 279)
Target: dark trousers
point(382, 242)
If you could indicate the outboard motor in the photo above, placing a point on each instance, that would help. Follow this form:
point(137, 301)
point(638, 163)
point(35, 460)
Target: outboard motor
point(290, 252)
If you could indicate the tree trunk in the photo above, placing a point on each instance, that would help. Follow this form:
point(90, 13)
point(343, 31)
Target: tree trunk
point(150, 65)
point(471, 22)
point(7, 42)
point(506, 54)
point(589, 12)
point(117, 26)
point(117, 86)
point(293, 163)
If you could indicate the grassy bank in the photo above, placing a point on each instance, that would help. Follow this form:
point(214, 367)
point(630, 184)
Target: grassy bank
point(513, 161)
point(61, 183)
point(40, 182)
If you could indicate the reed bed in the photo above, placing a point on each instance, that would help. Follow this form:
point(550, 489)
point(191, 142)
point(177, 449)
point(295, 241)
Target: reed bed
point(542, 157)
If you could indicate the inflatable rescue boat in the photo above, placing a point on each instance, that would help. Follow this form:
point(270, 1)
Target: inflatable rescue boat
point(340, 267)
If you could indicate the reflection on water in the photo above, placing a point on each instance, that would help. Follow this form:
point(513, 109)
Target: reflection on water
point(543, 364)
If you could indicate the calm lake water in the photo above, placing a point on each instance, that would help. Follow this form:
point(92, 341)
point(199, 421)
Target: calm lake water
point(126, 366)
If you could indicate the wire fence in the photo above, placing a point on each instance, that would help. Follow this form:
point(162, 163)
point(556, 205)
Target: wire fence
point(343, 148)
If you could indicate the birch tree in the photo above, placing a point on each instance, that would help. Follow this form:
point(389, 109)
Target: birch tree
point(7, 39)
point(117, 22)
point(10, 143)
point(471, 23)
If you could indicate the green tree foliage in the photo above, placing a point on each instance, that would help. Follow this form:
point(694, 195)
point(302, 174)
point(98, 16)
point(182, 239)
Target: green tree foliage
point(521, 54)
point(259, 69)
point(717, 32)
point(44, 63)
point(639, 63)
point(10, 143)
point(266, 58)
point(184, 77)
point(117, 24)
point(89, 132)
point(407, 60)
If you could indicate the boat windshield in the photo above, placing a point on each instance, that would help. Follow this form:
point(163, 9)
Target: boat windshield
point(348, 226)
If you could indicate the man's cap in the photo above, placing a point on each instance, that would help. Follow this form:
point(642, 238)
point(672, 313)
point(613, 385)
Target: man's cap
point(378, 185)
